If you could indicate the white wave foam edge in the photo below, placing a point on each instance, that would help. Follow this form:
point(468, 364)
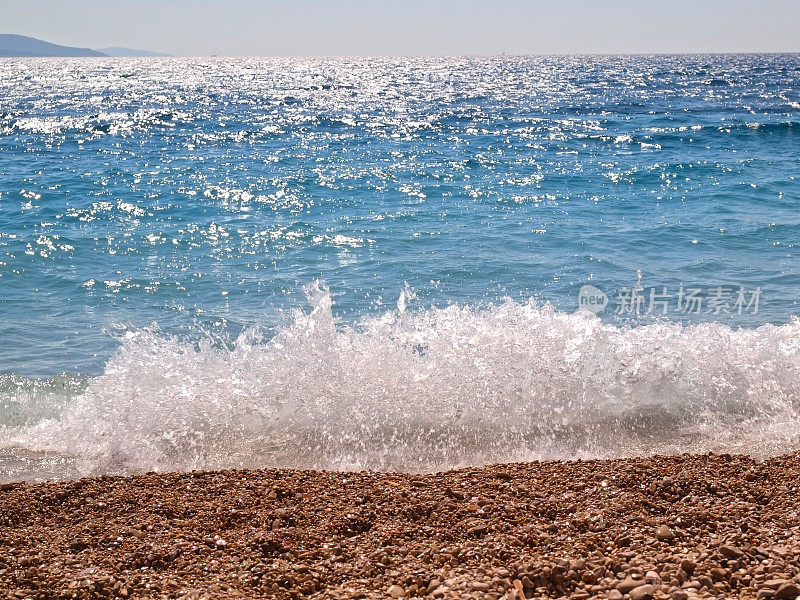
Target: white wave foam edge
point(426, 390)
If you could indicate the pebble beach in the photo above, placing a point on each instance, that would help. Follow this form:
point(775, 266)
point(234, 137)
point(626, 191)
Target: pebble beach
point(678, 527)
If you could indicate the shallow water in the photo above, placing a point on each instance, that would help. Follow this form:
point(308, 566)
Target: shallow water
point(163, 223)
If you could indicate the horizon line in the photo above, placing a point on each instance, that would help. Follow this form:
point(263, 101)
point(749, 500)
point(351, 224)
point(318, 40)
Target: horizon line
point(443, 55)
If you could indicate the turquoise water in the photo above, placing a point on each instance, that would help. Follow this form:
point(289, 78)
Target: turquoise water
point(165, 223)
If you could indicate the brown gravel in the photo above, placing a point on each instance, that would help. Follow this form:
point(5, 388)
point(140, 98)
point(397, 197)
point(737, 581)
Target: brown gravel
point(665, 527)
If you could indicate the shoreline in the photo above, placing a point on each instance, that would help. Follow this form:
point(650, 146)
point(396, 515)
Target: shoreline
point(674, 527)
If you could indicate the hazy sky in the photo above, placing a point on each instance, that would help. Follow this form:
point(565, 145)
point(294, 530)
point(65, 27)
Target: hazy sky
point(314, 27)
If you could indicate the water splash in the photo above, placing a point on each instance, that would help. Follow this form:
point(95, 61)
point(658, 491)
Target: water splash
point(428, 389)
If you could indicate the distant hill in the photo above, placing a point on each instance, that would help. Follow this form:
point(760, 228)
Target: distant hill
point(21, 45)
point(117, 51)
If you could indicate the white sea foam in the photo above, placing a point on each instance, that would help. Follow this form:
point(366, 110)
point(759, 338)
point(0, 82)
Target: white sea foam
point(427, 389)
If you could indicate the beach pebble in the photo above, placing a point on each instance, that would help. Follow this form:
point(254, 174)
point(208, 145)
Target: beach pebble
point(731, 552)
point(688, 565)
point(643, 592)
point(628, 584)
point(653, 578)
point(788, 591)
point(395, 591)
point(434, 583)
point(664, 533)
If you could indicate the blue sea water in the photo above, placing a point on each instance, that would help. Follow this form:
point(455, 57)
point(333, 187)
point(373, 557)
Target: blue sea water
point(377, 262)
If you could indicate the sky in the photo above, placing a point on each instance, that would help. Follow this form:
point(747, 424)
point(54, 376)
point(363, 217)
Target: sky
point(410, 27)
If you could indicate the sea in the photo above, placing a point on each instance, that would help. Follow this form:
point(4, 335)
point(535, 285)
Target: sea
point(407, 264)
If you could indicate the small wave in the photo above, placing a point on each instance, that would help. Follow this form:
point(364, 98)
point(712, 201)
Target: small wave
point(26, 401)
point(105, 123)
point(426, 389)
point(772, 128)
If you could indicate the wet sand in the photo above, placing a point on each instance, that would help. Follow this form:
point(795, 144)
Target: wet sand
point(664, 527)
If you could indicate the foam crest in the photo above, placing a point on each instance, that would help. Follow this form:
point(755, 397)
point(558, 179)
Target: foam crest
point(428, 389)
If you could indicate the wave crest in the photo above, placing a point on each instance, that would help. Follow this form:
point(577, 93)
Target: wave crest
point(429, 389)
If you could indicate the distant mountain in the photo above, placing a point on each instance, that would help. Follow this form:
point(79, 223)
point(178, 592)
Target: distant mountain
point(117, 51)
point(21, 45)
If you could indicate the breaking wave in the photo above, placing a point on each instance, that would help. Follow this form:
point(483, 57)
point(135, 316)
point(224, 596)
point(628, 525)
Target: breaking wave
point(417, 390)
